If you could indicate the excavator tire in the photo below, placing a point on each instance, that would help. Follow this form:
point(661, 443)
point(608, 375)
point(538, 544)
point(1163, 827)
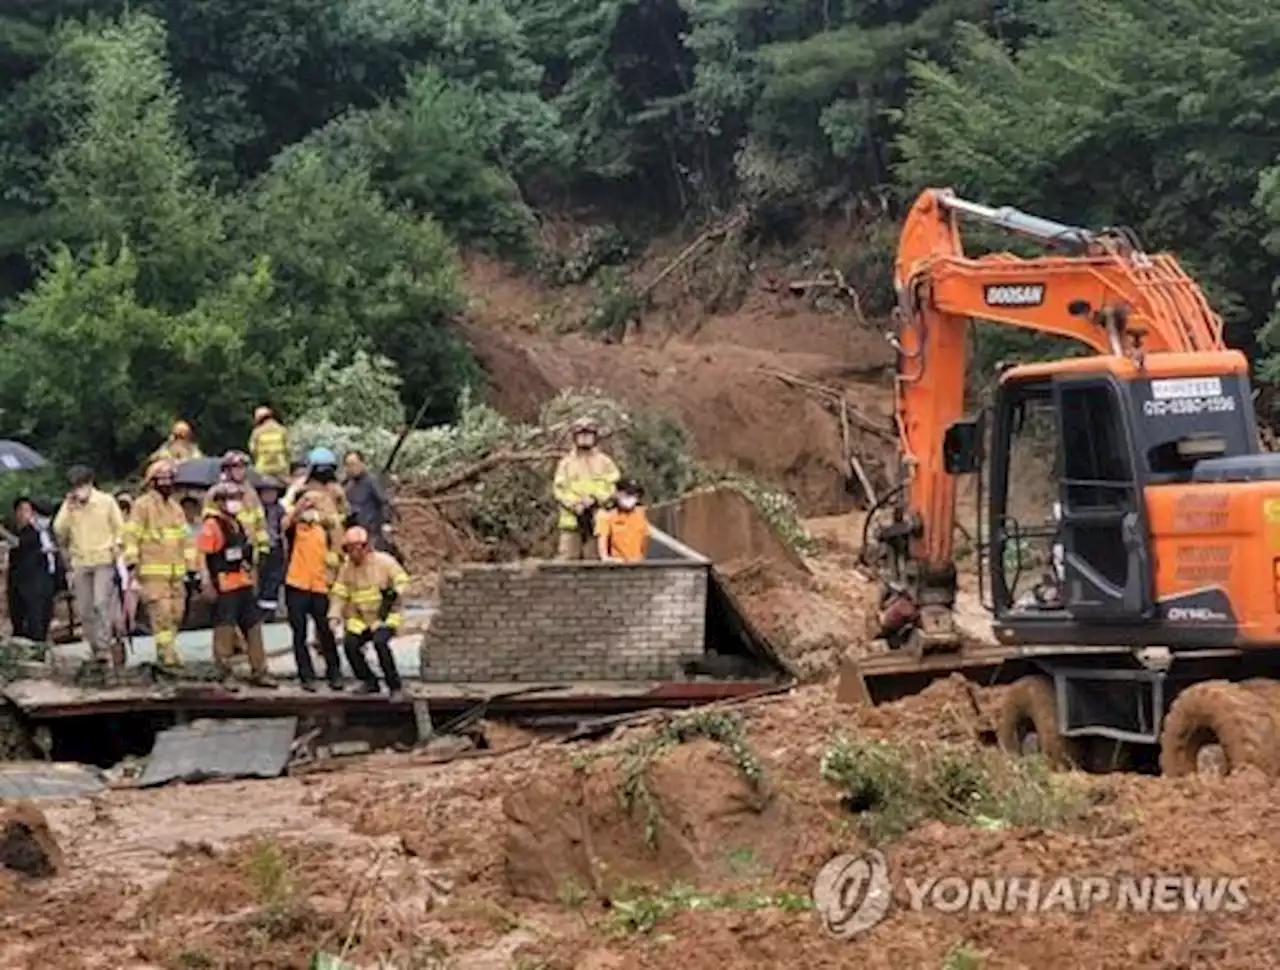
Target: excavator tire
point(1216, 727)
point(1029, 724)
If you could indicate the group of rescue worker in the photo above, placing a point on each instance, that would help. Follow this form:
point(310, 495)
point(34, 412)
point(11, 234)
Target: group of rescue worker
point(296, 529)
point(325, 542)
point(601, 515)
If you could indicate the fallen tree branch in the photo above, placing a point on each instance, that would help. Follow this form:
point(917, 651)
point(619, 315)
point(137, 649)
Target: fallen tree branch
point(473, 471)
point(711, 235)
point(829, 279)
point(832, 397)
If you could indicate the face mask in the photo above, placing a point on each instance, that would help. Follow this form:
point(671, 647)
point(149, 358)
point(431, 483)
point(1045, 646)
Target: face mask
point(310, 515)
point(234, 507)
point(627, 502)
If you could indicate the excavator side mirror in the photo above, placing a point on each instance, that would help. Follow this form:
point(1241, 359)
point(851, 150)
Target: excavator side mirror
point(962, 447)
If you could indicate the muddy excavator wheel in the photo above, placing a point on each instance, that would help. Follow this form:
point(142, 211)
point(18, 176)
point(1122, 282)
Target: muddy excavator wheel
point(1029, 724)
point(1216, 727)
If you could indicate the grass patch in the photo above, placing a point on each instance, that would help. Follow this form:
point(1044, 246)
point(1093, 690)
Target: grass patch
point(960, 957)
point(640, 910)
point(725, 729)
point(891, 788)
point(280, 915)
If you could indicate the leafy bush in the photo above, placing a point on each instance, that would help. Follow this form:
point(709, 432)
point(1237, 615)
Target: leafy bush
point(892, 788)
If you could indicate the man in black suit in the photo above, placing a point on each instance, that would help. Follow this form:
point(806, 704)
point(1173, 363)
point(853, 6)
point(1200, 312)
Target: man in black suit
point(33, 567)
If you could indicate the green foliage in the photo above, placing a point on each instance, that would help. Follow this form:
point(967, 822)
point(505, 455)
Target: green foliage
point(639, 910)
point(364, 391)
point(892, 788)
point(255, 186)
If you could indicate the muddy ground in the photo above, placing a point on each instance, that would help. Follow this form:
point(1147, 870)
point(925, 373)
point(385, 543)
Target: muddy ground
point(532, 859)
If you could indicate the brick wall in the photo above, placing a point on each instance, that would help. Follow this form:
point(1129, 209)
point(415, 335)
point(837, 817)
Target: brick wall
point(550, 621)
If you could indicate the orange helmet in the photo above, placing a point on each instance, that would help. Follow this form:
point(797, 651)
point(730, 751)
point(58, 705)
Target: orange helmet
point(181, 429)
point(261, 414)
point(357, 535)
point(161, 467)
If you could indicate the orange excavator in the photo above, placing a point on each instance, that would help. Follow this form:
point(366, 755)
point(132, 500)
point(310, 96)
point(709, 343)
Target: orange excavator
point(1155, 623)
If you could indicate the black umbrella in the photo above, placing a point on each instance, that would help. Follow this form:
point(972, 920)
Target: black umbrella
point(205, 473)
point(17, 457)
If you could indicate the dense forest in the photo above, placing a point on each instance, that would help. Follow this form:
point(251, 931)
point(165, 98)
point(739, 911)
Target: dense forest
point(204, 200)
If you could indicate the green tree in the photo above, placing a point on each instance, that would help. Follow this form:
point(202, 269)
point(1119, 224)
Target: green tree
point(125, 169)
point(352, 273)
point(93, 374)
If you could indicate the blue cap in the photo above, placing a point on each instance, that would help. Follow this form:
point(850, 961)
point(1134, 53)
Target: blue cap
point(321, 456)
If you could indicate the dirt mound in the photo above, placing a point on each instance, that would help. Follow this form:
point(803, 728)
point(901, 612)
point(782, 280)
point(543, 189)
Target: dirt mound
point(430, 537)
point(27, 844)
point(573, 831)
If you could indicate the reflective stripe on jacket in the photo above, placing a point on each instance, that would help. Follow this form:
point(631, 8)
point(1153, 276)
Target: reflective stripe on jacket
point(357, 596)
point(269, 446)
point(579, 477)
point(157, 539)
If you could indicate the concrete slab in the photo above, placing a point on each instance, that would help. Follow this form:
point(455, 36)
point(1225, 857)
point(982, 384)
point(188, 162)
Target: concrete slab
point(39, 779)
point(258, 748)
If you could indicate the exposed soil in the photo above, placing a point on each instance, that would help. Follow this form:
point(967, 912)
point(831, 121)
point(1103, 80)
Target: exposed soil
point(509, 861)
point(717, 374)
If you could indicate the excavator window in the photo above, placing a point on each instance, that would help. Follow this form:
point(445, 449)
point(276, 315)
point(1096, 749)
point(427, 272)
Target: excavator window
point(1098, 484)
point(1095, 463)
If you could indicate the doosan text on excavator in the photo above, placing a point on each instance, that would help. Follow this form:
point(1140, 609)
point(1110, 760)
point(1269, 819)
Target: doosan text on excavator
point(1154, 629)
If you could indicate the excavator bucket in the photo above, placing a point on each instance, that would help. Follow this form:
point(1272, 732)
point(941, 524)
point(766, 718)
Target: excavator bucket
point(851, 687)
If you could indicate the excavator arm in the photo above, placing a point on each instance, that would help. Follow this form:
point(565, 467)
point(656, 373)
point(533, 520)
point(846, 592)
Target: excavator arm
point(1098, 289)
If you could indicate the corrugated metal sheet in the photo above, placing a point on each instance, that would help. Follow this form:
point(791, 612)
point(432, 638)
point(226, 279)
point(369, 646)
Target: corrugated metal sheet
point(37, 779)
point(248, 748)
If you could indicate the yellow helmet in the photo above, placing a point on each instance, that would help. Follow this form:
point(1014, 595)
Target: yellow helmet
point(159, 467)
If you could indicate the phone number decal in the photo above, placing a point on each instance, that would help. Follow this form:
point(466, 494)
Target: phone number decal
point(1188, 405)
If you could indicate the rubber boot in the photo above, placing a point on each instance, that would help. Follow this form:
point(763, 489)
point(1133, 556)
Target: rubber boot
point(168, 655)
point(259, 675)
point(224, 648)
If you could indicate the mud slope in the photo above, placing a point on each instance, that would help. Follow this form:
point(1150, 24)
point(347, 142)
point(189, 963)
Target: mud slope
point(712, 376)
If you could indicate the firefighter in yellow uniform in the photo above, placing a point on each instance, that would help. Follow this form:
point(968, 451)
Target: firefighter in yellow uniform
point(269, 444)
point(158, 546)
point(235, 469)
point(180, 446)
point(364, 607)
point(585, 480)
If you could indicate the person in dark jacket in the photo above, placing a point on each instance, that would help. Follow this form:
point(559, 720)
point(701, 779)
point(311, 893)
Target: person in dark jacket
point(271, 575)
point(33, 569)
point(370, 507)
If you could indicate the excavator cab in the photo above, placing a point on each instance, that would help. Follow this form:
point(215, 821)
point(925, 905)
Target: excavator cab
point(1123, 442)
